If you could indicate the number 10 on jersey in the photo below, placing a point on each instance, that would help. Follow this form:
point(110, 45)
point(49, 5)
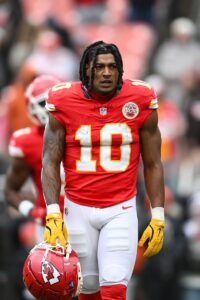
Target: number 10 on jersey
point(86, 163)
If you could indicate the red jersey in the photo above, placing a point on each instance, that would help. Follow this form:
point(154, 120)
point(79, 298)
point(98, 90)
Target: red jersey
point(27, 143)
point(102, 140)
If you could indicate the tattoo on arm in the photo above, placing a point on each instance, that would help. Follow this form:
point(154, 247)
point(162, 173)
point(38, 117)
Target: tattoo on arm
point(53, 151)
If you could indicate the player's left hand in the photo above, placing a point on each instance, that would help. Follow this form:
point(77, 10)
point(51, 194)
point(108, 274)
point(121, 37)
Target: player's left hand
point(153, 236)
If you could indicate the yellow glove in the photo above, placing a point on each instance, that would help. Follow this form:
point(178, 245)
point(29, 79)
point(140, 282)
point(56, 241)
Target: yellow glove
point(153, 236)
point(55, 230)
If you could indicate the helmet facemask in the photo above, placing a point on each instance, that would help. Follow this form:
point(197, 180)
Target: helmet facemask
point(37, 111)
point(36, 94)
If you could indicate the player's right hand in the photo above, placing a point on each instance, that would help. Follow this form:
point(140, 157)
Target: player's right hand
point(55, 230)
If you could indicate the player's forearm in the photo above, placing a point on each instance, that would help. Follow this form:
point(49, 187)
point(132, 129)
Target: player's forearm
point(17, 174)
point(12, 188)
point(53, 152)
point(16, 199)
point(13, 198)
point(154, 183)
point(51, 183)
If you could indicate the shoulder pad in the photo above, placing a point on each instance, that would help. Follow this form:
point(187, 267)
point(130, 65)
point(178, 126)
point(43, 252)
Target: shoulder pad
point(56, 95)
point(21, 132)
point(17, 142)
point(142, 85)
point(148, 93)
point(61, 86)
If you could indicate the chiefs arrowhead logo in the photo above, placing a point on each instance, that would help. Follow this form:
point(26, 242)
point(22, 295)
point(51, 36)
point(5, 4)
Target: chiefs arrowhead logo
point(49, 273)
point(130, 110)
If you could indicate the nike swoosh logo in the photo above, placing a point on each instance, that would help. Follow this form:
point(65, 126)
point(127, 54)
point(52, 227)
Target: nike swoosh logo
point(126, 207)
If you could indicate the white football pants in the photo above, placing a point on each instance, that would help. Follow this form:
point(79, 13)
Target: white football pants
point(105, 240)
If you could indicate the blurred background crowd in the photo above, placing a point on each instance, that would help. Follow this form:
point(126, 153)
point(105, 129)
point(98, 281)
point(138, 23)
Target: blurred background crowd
point(160, 43)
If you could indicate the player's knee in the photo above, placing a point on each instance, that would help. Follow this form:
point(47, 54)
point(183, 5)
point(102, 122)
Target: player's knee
point(114, 274)
point(90, 284)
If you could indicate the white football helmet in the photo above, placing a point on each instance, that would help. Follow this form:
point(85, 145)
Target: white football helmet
point(50, 273)
point(35, 95)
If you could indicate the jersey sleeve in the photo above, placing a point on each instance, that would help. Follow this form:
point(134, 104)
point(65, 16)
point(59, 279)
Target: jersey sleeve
point(149, 105)
point(148, 99)
point(56, 99)
point(147, 92)
point(153, 100)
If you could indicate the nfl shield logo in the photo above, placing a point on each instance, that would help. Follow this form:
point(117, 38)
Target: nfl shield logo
point(103, 111)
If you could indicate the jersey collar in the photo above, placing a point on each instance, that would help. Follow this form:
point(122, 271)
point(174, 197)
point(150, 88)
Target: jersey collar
point(91, 95)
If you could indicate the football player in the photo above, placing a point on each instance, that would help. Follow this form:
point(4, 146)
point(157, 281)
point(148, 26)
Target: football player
point(25, 150)
point(99, 127)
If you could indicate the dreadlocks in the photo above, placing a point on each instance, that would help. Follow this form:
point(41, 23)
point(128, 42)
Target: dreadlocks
point(90, 55)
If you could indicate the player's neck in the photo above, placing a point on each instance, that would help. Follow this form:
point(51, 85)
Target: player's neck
point(101, 98)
